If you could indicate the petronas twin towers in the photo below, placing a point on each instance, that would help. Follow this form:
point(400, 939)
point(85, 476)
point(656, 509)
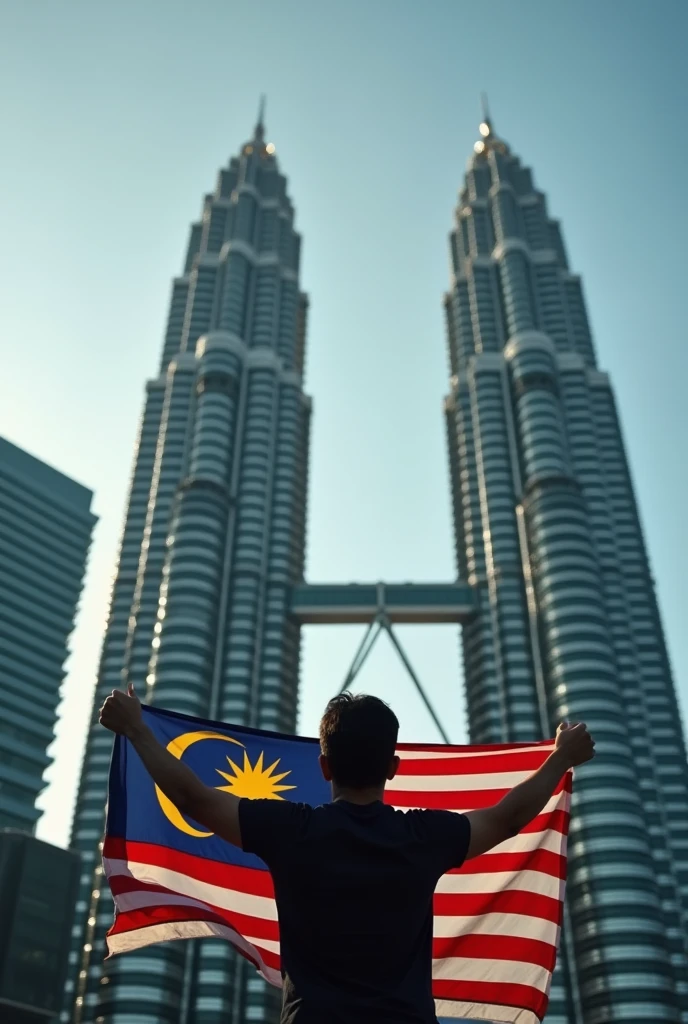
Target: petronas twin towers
point(547, 537)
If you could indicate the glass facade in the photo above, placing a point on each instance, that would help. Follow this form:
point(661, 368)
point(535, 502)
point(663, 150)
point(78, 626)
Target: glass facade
point(45, 533)
point(37, 891)
point(548, 534)
point(213, 541)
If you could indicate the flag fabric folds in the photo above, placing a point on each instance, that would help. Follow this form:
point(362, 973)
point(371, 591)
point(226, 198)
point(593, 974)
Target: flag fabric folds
point(497, 919)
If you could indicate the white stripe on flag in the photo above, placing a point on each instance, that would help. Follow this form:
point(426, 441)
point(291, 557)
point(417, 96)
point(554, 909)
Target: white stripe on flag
point(127, 941)
point(141, 898)
point(456, 783)
point(497, 924)
point(433, 755)
point(271, 945)
point(493, 972)
point(491, 882)
point(558, 802)
point(527, 842)
point(447, 1009)
point(228, 899)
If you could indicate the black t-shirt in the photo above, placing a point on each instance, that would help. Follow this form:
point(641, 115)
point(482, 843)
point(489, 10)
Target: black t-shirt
point(354, 887)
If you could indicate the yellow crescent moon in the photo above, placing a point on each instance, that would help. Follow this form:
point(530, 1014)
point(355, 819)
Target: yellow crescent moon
point(177, 747)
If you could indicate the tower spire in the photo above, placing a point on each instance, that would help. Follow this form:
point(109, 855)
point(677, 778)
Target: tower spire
point(487, 120)
point(259, 133)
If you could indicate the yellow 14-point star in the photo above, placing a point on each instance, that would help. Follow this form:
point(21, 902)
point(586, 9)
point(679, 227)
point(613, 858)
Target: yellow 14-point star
point(254, 781)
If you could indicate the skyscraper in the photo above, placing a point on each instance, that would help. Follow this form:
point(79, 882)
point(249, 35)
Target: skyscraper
point(548, 533)
point(213, 539)
point(45, 533)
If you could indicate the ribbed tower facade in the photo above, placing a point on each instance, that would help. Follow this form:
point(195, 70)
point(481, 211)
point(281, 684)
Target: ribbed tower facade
point(213, 541)
point(45, 533)
point(547, 531)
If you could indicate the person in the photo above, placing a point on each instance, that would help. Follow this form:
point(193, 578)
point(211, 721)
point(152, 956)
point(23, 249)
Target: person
point(354, 879)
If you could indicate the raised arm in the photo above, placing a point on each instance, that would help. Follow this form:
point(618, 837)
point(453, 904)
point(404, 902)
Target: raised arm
point(218, 812)
point(492, 825)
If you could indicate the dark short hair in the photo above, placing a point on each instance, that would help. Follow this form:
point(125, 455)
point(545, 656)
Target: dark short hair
point(358, 736)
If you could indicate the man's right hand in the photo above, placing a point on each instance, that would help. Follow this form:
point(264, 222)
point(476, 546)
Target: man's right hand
point(575, 743)
point(121, 712)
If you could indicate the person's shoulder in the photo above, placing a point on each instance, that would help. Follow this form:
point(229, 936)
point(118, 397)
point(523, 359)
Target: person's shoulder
point(265, 823)
point(273, 814)
point(434, 816)
point(430, 822)
point(275, 808)
point(445, 836)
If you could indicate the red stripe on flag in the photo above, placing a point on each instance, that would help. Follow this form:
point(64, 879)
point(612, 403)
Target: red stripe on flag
point(126, 883)
point(445, 800)
point(255, 881)
point(491, 748)
point(133, 920)
point(245, 924)
point(496, 947)
point(553, 864)
point(136, 920)
point(553, 821)
point(510, 901)
point(450, 800)
point(509, 761)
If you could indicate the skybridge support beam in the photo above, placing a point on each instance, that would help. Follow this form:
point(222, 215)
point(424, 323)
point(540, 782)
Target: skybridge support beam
point(380, 606)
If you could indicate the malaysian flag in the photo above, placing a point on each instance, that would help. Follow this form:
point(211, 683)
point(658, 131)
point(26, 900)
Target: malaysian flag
point(497, 919)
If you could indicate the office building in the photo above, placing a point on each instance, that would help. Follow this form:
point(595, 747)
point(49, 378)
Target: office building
point(549, 536)
point(37, 891)
point(45, 533)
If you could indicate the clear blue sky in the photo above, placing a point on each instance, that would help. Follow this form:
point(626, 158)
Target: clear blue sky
point(115, 119)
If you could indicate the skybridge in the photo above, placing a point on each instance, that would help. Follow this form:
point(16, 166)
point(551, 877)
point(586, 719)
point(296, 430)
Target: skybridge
point(381, 606)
